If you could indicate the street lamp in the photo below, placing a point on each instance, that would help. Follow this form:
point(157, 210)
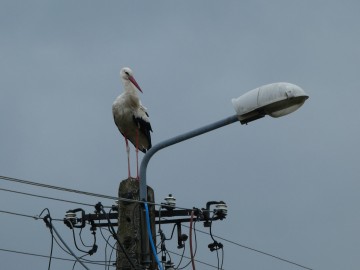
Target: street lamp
point(276, 100)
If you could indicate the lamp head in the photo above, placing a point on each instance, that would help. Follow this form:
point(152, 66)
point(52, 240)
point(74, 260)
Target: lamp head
point(276, 100)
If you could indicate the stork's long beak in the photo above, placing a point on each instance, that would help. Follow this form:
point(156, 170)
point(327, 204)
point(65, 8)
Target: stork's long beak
point(132, 79)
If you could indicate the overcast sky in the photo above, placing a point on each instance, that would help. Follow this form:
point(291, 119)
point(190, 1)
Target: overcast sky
point(291, 184)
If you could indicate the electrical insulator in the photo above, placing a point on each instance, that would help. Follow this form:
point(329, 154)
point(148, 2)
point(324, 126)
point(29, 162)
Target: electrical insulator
point(72, 220)
point(170, 201)
point(221, 210)
point(71, 217)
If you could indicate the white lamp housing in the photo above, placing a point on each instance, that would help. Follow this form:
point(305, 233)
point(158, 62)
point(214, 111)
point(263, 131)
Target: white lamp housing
point(275, 99)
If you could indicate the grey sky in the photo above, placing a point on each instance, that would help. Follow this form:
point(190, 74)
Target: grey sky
point(291, 184)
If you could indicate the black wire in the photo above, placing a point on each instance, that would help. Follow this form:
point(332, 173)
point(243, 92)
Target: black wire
point(106, 240)
point(172, 233)
point(186, 265)
point(49, 225)
point(195, 248)
point(35, 255)
point(63, 249)
point(107, 244)
point(47, 256)
point(253, 249)
point(111, 253)
point(60, 246)
point(112, 231)
point(163, 239)
point(217, 245)
point(82, 242)
point(177, 254)
point(73, 233)
point(48, 222)
point(222, 258)
point(18, 214)
point(77, 261)
point(27, 216)
point(168, 253)
point(106, 251)
point(161, 245)
point(67, 252)
point(182, 256)
point(159, 211)
point(46, 197)
point(27, 182)
point(52, 235)
point(210, 229)
point(51, 248)
point(116, 198)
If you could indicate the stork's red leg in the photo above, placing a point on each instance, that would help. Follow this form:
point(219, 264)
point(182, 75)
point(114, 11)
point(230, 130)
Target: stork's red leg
point(137, 154)
point(128, 156)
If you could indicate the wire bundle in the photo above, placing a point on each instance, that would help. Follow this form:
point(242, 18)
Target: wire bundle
point(57, 238)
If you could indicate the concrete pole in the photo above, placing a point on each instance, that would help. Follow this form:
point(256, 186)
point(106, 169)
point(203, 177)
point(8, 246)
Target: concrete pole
point(131, 226)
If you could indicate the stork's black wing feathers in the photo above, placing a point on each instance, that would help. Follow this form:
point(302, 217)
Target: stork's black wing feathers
point(145, 129)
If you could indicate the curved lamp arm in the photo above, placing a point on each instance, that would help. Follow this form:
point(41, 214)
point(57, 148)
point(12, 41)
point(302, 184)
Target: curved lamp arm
point(175, 140)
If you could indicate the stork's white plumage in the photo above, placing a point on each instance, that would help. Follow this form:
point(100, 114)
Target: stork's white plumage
point(131, 117)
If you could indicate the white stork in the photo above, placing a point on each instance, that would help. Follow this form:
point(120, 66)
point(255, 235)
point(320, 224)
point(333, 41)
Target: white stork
point(131, 117)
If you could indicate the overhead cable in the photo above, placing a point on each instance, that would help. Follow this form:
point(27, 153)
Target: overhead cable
point(47, 220)
point(253, 249)
point(27, 182)
point(186, 257)
point(45, 197)
point(47, 257)
point(57, 187)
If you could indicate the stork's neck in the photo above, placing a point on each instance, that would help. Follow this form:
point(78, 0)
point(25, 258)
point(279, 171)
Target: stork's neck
point(130, 88)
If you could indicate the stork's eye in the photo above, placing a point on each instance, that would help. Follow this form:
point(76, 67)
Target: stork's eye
point(127, 73)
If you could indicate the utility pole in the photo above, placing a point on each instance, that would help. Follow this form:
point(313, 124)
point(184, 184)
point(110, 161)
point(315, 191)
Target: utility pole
point(128, 214)
point(131, 226)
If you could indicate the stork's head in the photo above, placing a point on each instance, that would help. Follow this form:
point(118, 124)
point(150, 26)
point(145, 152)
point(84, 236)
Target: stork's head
point(126, 75)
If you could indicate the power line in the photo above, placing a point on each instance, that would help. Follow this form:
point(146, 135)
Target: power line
point(49, 225)
point(18, 214)
point(27, 182)
point(52, 229)
point(201, 262)
point(24, 215)
point(56, 258)
point(35, 255)
point(122, 199)
point(253, 249)
point(224, 239)
point(46, 197)
point(72, 260)
point(47, 220)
